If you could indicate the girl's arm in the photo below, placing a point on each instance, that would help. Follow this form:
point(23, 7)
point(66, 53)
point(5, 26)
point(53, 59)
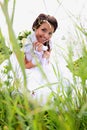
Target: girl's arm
point(28, 64)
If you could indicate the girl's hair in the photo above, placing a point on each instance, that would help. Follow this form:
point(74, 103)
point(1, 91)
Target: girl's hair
point(42, 18)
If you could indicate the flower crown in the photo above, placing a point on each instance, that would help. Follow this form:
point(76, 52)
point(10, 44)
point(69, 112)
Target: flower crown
point(43, 21)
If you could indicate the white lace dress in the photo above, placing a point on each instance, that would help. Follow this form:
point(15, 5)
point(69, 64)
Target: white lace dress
point(39, 79)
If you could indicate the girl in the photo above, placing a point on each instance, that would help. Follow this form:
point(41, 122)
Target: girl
point(37, 50)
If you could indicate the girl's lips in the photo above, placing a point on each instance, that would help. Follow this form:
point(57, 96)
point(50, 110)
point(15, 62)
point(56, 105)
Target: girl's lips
point(44, 41)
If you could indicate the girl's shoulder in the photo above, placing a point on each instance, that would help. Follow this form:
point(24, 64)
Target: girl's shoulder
point(29, 39)
point(28, 45)
point(32, 37)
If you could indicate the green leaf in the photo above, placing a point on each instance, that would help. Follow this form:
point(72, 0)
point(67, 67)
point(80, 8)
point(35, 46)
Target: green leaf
point(5, 52)
point(79, 67)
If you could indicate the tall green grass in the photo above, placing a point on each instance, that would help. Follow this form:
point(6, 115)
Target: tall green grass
point(65, 110)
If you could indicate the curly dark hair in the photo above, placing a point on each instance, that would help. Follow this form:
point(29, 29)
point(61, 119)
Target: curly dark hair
point(41, 18)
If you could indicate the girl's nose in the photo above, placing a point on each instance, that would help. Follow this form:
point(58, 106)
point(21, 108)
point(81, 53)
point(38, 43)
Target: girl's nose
point(46, 35)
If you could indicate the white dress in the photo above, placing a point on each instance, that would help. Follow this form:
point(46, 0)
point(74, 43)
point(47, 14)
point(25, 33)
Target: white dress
point(39, 79)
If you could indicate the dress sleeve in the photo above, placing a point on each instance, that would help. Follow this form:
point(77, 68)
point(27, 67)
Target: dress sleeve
point(28, 49)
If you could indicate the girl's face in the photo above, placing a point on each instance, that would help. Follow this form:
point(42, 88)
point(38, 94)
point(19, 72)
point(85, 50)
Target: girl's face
point(44, 32)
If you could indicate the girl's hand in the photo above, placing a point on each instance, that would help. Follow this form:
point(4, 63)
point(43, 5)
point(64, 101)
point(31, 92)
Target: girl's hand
point(46, 54)
point(38, 46)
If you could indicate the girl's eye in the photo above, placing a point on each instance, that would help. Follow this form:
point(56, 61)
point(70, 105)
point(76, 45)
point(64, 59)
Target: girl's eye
point(50, 33)
point(44, 30)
